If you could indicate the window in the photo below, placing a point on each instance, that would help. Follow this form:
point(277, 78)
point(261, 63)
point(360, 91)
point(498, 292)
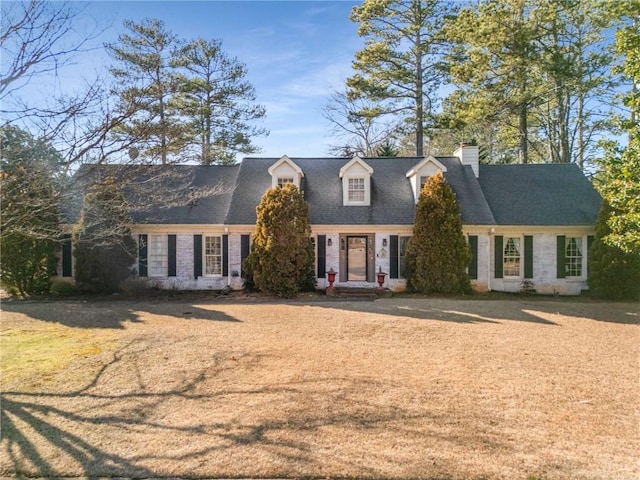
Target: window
point(212, 255)
point(356, 190)
point(403, 242)
point(158, 256)
point(511, 257)
point(423, 180)
point(573, 257)
point(282, 181)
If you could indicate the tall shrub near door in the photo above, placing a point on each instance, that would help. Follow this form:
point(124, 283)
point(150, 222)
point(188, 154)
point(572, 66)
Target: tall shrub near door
point(281, 258)
point(437, 254)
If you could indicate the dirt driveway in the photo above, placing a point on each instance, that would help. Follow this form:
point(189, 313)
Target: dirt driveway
point(396, 388)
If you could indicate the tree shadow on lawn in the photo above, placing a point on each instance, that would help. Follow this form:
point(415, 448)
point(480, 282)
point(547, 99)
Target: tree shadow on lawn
point(467, 310)
point(112, 315)
point(40, 428)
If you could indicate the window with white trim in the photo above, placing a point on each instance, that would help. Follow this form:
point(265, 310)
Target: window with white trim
point(511, 257)
point(213, 256)
point(356, 189)
point(573, 256)
point(158, 256)
point(282, 181)
point(423, 180)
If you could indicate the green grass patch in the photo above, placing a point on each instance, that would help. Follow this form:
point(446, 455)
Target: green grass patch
point(41, 353)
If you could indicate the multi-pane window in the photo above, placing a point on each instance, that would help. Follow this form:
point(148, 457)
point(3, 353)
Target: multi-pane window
point(511, 257)
point(573, 257)
point(282, 181)
point(403, 242)
point(158, 258)
point(423, 180)
point(213, 255)
point(356, 190)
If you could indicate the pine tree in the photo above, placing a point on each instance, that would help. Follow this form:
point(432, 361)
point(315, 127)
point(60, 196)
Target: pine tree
point(104, 249)
point(613, 273)
point(281, 258)
point(401, 66)
point(437, 254)
point(143, 66)
point(218, 100)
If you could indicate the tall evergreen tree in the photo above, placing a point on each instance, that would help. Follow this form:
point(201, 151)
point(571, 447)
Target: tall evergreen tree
point(538, 71)
point(29, 222)
point(437, 253)
point(401, 66)
point(143, 56)
point(619, 177)
point(493, 64)
point(219, 100)
point(281, 258)
point(613, 273)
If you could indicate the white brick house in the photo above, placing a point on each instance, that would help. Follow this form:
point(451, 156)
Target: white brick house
point(525, 224)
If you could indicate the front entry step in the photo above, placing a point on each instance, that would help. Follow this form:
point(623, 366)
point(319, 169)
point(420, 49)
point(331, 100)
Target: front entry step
point(358, 293)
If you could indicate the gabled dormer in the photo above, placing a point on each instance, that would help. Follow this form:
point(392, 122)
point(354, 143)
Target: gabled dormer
point(419, 173)
point(356, 182)
point(285, 171)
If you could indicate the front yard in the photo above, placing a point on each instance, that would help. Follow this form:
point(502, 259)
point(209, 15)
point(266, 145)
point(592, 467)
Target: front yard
point(396, 388)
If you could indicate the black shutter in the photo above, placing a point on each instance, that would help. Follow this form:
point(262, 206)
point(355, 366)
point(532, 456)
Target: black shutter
point(321, 259)
point(590, 239)
point(197, 256)
point(67, 270)
point(245, 241)
point(498, 256)
point(393, 256)
point(171, 271)
point(560, 259)
point(473, 262)
point(142, 255)
point(528, 256)
point(225, 255)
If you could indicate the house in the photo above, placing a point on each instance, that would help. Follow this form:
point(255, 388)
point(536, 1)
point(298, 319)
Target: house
point(525, 224)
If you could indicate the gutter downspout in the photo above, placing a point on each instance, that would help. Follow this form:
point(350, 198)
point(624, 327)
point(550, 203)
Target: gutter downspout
point(491, 233)
point(226, 232)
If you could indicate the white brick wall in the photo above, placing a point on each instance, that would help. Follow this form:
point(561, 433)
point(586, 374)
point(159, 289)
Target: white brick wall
point(544, 270)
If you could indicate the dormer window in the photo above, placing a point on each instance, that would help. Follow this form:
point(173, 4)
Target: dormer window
point(421, 172)
point(285, 171)
point(356, 190)
point(282, 181)
point(356, 182)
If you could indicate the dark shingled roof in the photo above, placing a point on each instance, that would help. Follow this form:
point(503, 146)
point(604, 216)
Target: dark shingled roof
point(392, 201)
point(539, 194)
point(169, 194)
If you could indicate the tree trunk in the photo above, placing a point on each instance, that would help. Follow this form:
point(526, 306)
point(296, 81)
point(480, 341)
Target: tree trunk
point(524, 140)
point(580, 132)
point(419, 99)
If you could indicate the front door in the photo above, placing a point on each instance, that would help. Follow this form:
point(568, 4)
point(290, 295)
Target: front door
point(357, 259)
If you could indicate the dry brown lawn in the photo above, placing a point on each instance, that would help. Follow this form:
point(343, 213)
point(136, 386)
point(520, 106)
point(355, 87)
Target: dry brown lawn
point(396, 388)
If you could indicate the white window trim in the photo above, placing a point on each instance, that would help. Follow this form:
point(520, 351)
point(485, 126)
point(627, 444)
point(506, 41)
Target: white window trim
point(164, 242)
point(520, 257)
point(583, 247)
point(367, 191)
point(205, 255)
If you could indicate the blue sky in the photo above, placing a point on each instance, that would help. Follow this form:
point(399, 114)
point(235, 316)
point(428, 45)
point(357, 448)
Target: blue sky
point(296, 52)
